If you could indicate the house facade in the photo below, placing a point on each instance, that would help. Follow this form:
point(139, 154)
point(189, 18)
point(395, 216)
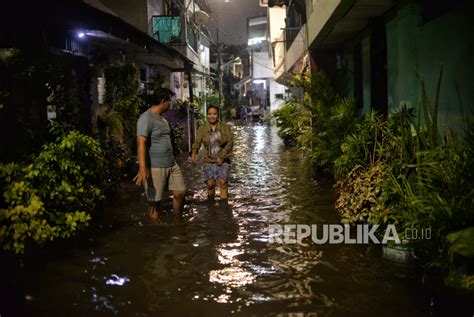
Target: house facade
point(182, 26)
point(88, 35)
point(382, 49)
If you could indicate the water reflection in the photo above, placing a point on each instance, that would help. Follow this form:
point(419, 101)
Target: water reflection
point(103, 303)
point(117, 280)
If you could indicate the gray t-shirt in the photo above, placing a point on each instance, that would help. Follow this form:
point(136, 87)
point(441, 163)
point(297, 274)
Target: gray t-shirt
point(157, 131)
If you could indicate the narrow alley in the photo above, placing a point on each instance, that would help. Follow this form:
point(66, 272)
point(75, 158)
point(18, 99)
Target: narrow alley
point(216, 259)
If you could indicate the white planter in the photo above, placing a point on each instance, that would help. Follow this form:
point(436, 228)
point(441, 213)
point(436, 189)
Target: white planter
point(400, 253)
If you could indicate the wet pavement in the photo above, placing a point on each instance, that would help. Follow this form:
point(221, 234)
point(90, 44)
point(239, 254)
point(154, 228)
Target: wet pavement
point(215, 259)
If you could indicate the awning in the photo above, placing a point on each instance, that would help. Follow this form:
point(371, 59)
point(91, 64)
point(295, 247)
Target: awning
point(346, 20)
point(241, 83)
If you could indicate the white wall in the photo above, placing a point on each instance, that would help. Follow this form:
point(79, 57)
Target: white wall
point(205, 58)
point(276, 88)
point(276, 20)
point(276, 17)
point(154, 7)
point(177, 77)
point(262, 65)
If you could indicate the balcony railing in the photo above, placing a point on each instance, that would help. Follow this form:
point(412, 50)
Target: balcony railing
point(166, 29)
point(191, 37)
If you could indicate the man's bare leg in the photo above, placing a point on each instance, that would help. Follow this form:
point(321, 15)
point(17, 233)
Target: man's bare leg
point(211, 188)
point(153, 210)
point(223, 189)
point(178, 200)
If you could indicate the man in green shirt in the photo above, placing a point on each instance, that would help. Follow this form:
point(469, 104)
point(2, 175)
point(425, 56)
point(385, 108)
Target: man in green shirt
point(157, 166)
point(218, 142)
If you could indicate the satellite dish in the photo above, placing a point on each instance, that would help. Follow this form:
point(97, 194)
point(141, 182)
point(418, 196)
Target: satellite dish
point(201, 17)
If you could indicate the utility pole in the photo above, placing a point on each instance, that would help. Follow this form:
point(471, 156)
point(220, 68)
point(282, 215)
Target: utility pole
point(219, 70)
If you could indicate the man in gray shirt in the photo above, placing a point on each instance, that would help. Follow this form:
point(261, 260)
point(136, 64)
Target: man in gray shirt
point(158, 169)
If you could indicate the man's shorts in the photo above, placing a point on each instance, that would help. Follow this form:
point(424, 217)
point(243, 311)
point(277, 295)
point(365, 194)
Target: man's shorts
point(212, 171)
point(161, 179)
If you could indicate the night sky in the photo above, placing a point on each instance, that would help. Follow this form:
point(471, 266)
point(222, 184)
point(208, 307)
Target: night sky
point(231, 19)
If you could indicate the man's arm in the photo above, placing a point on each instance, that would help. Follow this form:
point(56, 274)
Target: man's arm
point(141, 155)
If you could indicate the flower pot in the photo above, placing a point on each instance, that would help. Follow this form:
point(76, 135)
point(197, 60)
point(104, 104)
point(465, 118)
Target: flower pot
point(400, 253)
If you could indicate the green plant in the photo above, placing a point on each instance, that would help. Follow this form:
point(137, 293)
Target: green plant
point(331, 119)
point(113, 163)
point(111, 123)
point(322, 143)
point(123, 99)
point(52, 81)
point(318, 123)
point(436, 190)
point(438, 194)
point(290, 120)
point(51, 197)
point(461, 256)
point(177, 136)
point(360, 197)
point(430, 111)
point(213, 98)
point(198, 107)
point(376, 139)
point(377, 144)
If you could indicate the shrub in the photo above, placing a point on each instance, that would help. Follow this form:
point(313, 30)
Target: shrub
point(360, 197)
point(322, 143)
point(54, 196)
point(376, 139)
point(114, 158)
point(177, 136)
point(290, 120)
point(123, 99)
point(318, 124)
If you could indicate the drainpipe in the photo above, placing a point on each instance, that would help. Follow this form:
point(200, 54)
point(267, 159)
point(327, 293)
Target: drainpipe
point(190, 113)
point(190, 81)
point(189, 130)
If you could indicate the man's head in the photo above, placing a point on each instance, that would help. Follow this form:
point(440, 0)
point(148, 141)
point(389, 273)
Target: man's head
point(162, 97)
point(212, 114)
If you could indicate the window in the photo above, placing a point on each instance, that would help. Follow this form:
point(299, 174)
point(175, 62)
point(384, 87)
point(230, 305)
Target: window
point(166, 29)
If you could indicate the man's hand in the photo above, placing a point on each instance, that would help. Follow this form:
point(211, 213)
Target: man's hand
point(194, 157)
point(143, 172)
point(219, 161)
point(141, 176)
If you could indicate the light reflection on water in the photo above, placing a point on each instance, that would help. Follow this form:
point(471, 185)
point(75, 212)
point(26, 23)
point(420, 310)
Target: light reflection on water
point(117, 280)
point(231, 277)
point(215, 259)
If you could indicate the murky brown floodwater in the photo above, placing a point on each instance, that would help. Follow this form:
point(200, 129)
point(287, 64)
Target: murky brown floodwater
point(215, 260)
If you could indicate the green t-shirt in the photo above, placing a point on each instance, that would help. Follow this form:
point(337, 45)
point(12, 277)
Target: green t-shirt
point(157, 131)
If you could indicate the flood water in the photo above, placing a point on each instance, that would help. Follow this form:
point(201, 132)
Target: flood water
point(215, 259)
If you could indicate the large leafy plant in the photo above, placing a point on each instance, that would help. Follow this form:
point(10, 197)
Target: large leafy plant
point(123, 99)
point(291, 119)
point(331, 118)
point(360, 198)
point(51, 197)
point(318, 123)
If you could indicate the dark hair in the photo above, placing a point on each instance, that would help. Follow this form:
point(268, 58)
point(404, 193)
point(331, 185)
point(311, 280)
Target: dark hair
point(161, 94)
point(213, 106)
